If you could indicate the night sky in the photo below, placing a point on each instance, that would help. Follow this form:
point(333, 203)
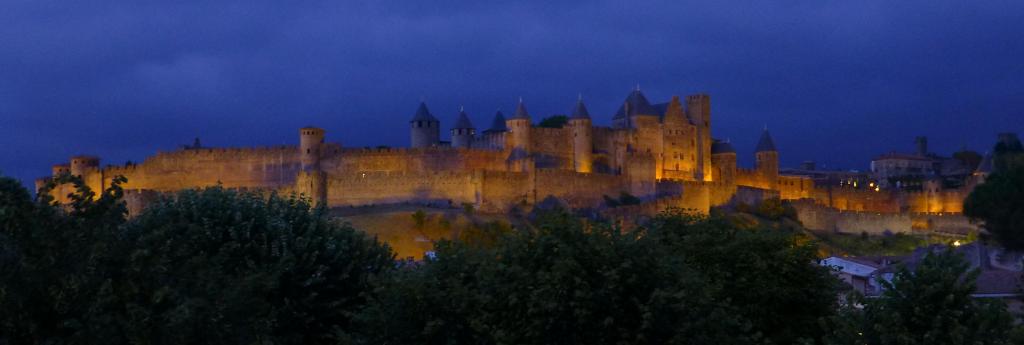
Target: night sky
point(835, 81)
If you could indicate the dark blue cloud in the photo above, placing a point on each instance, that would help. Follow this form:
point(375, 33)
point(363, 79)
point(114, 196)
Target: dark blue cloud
point(836, 82)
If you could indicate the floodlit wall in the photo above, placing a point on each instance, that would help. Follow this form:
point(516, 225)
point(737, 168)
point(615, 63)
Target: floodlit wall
point(818, 217)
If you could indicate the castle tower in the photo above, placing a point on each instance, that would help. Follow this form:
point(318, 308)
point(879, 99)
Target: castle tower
point(86, 167)
point(680, 142)
point(494, 136)
point(582, 138)
point(498, 124)
point(519, 128)
point(698, 109)
point(723, 162)
point(767, 158)
point(80, 165)
point(425, 129)
point(463, 131)
point(311, 139)
point(60, 169)
point(644, 121)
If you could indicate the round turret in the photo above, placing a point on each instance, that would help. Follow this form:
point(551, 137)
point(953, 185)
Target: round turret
point(582, 138)
point(311, 140)
point(424, 128)
point(767, 159)
point(723, 161)
point(519, 128)
point(463, 131)
point(82, 164)
point(60, 169)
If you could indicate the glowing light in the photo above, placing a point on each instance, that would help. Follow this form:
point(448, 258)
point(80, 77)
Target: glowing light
point(877, 189)
point(956, 243)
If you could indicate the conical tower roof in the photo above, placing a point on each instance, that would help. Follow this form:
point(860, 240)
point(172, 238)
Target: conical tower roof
point(498, 125)
point(521, 112)
point(423, 114)
point(463, 121)
point(765, 143)
point(636, 104)
point(580, 111)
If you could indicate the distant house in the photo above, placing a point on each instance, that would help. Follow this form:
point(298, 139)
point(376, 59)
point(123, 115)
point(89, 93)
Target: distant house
point(857, 272)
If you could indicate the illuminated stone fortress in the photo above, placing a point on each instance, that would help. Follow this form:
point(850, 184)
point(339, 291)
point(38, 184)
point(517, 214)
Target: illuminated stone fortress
point(664, 154)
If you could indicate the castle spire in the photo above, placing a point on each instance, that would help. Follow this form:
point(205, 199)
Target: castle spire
point(580, 112)
point(521, 112)
point(462, 122)
point(423, 114)
point(766, 143)
point(498, 124)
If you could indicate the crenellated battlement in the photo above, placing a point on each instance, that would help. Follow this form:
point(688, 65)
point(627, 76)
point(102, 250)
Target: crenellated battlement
point(217, 152)
point(368, 151)
point(389, 177)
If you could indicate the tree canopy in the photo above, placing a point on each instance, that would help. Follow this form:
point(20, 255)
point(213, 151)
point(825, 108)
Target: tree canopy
point(553, 121)
point(220, 266)
point(999, 201)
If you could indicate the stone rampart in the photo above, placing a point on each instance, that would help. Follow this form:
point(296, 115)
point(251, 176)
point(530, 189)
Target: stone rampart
point(819, 217)
point(578, 190)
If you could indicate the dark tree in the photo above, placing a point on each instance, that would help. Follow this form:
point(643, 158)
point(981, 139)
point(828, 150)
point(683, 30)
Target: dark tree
point(56, 261)
point(769, 276)
point(554, 121)
point(218, 266)
point(206, 266)
point(999, 203)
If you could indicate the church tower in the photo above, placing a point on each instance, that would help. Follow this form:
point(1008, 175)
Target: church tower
point(463, 131)
point(582, 138)
point(425, 129)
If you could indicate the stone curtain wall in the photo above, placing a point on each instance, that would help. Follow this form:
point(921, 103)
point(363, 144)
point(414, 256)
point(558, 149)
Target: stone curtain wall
point(553, 147)
point(577, 190)
point(819, 217)
point(270, 167)
point(370, 188)
point(413, 160)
